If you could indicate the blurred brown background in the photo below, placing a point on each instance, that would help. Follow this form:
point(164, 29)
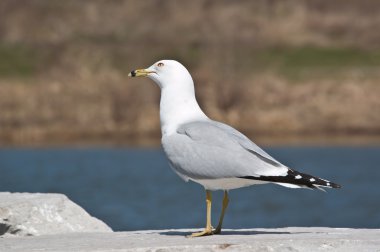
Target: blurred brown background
point(280, 71)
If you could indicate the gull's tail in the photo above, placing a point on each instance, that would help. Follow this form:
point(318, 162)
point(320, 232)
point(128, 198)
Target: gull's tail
point(295, 179)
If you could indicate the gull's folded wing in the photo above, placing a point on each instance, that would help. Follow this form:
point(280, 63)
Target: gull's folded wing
point(212, 150)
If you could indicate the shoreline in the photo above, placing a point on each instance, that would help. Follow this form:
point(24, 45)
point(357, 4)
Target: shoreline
point(153, 140)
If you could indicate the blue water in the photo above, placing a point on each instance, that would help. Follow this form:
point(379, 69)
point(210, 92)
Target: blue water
point(134, 189)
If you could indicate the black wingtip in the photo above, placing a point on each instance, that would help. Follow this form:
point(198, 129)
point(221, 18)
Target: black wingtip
point(297, 178)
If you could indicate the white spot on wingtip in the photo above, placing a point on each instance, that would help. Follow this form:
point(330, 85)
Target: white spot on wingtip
point(328, 183)
point(298, 177)
point(312, 180)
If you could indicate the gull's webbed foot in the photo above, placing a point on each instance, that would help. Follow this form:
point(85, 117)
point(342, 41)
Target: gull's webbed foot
point(206, 232)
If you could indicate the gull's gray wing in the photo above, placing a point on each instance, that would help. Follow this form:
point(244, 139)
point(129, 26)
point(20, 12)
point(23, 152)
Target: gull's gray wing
point(247, 143)
point(212, 150)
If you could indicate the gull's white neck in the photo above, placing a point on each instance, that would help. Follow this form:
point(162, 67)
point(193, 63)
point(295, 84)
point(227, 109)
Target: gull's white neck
point(178, 106)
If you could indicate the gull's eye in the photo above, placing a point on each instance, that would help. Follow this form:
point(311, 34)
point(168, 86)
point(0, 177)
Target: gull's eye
point(160, 64)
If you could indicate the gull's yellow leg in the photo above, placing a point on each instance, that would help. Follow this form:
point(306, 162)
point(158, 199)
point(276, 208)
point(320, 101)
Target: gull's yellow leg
point(224, 206)
point(208, 229)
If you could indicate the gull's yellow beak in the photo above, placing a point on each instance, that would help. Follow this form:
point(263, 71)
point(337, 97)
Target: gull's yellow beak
point(140, 73)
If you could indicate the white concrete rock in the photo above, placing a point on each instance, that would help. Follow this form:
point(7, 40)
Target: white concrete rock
point(281, 239)
point(54, 223)
point(31, 214)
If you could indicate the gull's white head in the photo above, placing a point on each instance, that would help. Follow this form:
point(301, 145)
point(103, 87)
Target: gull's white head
point(166, 73)
point(178, 104)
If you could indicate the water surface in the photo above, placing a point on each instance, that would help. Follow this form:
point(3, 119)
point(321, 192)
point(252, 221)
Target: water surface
point(134, 189)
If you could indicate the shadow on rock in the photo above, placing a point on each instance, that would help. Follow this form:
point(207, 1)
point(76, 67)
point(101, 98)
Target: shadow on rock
point(230, 232)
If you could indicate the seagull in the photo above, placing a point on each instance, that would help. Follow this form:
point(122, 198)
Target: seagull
point(211, 153)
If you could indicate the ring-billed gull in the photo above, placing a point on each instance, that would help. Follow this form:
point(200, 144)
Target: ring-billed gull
point(208, 152)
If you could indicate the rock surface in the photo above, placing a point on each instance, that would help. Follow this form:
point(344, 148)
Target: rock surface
point(30, 214)
point(54, 223)
point(282, 239)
